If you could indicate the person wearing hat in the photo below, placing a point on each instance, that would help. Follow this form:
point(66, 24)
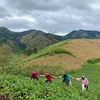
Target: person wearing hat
point(85, 82)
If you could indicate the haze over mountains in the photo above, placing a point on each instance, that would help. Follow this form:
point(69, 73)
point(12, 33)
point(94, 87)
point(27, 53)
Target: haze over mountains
point(39, 39)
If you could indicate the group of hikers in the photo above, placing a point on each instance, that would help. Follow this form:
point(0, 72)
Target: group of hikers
point(66, 78)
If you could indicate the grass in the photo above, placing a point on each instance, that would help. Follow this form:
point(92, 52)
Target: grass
point(55, 70)
point(20, 87)
point(93, 61)
point(51, 50)
point(80, 50)
point(15, 78)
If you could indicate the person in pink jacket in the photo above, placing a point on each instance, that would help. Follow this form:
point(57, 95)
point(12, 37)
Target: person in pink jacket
point(85, 82)
point(35, 75)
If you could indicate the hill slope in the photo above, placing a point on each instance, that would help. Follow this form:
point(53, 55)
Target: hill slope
point(79, 34)
point(20, 87)
point(83, 49)
point(27, 39)
point(36, 39)
point(39, 39)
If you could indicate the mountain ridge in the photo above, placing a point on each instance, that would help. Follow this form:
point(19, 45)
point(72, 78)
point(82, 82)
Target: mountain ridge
point(27, 39)
point(78, 34)
point(37, 39)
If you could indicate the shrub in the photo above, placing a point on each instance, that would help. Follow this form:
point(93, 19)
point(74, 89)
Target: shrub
point(93, 61)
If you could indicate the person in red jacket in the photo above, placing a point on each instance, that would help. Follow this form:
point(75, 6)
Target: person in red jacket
point(48, 77)
point(35, 75)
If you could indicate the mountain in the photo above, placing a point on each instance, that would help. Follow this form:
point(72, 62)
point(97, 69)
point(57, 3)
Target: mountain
point(5, 35)
point(79, 34)
point(36, 39)
point(27, 39)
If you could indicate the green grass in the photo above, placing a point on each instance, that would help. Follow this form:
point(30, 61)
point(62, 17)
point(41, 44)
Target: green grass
point(93, 61)
point(56, 70)
point(51, 50)
point(20, 87)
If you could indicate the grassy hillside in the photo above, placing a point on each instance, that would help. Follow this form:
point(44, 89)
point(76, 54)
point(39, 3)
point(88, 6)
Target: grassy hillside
point(69, 54)
point(20, 87)
point(5, 53)
point(77, 57)
point(63, 57)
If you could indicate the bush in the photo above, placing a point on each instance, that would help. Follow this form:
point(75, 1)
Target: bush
point(93, 61)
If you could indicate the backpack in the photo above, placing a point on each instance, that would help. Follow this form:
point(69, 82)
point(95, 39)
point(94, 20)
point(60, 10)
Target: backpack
point(66, 77)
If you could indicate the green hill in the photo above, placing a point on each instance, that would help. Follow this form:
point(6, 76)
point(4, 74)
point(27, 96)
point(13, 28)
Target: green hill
point(79, 34)
point(36, 39)
point(27, 39)
point(66, 55)
point(75, 56)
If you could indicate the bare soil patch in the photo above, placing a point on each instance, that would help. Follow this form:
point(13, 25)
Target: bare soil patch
point(4, 97)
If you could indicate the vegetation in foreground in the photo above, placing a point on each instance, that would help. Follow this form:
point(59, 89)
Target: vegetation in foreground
point(20, 87)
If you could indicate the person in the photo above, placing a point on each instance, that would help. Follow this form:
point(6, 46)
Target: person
point(85, 83)
point(67, 79)
point(48, 77)
point(35, 75)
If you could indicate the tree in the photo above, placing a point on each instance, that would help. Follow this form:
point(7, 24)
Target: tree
point(30, 51)
point(35, 50)
point(52, 35)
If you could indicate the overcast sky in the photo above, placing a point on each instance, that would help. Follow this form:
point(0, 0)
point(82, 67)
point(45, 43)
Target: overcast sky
point(59, 16)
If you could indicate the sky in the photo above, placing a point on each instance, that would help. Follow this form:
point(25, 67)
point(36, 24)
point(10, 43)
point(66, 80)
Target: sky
point(57, 16)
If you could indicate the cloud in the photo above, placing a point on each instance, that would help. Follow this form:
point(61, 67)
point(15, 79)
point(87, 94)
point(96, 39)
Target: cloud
point(30, 5)
point(17, 23)
point(61, 16)
point(3, 12)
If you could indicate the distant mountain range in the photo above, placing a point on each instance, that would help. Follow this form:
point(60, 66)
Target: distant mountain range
point(79, 34)
point(39, 39)
point(27, 39)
